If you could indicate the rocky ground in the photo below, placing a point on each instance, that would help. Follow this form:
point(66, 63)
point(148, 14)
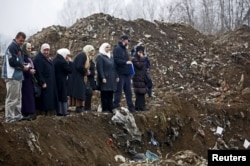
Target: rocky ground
point(201, 83)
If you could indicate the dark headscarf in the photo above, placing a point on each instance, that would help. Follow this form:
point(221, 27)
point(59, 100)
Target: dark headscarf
point(24, 49)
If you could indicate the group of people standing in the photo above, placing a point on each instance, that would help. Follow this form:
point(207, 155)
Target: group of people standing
point(65, 82)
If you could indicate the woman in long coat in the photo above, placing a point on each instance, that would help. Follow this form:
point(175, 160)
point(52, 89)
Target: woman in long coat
point(45, 73)
point(91, 85)
point(140, 87)
point(79, 77)
point(28, 98)
point(63, 67)
point(107, 76)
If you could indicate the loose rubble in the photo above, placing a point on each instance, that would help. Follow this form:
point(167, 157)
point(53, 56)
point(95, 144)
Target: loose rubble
point(201, 83)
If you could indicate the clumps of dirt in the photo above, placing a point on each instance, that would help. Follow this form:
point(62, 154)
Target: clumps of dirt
point(201, 82)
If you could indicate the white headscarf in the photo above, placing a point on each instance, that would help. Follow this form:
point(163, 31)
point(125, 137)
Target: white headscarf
point(64, 52)
point(102, 49)
point(45, 46)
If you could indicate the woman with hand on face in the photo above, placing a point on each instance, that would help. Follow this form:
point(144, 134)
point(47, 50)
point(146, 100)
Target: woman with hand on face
point(140, 87)
point(79, 78)
point(63, 67)
point(28, 98)
point(107, 76)
point(45, 72)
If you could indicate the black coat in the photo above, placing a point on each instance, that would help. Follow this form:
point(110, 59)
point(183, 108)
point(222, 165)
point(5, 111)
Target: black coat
point(46, 74)
point(62, 70)
point(77, 84)
point(106, 69)
point(91, 77)
point(139, 77)
point(121, 57)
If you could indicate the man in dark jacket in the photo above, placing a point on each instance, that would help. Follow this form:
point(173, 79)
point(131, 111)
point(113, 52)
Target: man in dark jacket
point(123, 64)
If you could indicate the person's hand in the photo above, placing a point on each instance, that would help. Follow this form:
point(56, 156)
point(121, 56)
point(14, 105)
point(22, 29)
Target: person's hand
point(117, 79)
point(69, 59)
point(25, 68)
point(89, 72)
point(140, 54)
point(44, 85)
point(128, 62)
point(32, 71)
point(104, 81)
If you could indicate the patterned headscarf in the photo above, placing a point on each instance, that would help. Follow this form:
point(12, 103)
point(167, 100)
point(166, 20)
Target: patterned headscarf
point(24, 49)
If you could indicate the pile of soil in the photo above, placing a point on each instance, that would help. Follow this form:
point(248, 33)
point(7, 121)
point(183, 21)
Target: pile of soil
point(201, 82)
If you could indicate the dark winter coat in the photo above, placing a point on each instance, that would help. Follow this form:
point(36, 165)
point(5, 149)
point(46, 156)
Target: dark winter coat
point(62, 70)
point(121, 57)
point(106, 69)
point(78, 86)
point(45, 73)
point(139, 77)
point(28, 96)
point(91, 77)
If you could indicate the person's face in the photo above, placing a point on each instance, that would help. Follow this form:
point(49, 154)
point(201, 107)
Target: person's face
point(46, 52)
point(107, 48)
point(28, 48)
point(125, 42)
point(20, 40)
point(140, 53)
point(92, 52)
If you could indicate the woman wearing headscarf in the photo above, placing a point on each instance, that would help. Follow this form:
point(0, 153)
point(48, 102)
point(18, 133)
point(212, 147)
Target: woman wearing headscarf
point(91, 84)
point(45, 73)
point(63, 67)
point(79, 77)
point(107, 76)
point(140, 87)
point(28, 98)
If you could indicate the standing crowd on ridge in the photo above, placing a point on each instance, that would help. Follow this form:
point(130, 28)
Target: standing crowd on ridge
point(46, 86)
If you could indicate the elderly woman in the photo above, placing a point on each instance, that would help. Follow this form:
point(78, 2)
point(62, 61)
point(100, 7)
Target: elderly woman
point(79, 77)
point(107, 76)
point(28, 99)
point(45, 72)
point(63, 67)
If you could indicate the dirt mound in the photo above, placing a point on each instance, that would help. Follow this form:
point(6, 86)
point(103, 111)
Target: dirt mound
point(201, 82)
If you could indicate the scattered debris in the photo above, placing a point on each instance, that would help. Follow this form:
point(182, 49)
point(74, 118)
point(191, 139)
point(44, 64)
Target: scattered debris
point(201, 82)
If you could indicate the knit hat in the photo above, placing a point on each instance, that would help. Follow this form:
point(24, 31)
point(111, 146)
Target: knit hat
point(88, 48)
point(45, 46)
point(139, 48)
point(64, 52)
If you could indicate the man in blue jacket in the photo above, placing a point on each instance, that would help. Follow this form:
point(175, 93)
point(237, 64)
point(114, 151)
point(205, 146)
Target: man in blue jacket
point(12, 73)
point(123, 64)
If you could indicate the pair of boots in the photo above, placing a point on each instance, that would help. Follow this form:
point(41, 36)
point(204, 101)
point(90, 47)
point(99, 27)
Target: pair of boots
point(141, 109)
point(81, 109)
point(150, 93)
